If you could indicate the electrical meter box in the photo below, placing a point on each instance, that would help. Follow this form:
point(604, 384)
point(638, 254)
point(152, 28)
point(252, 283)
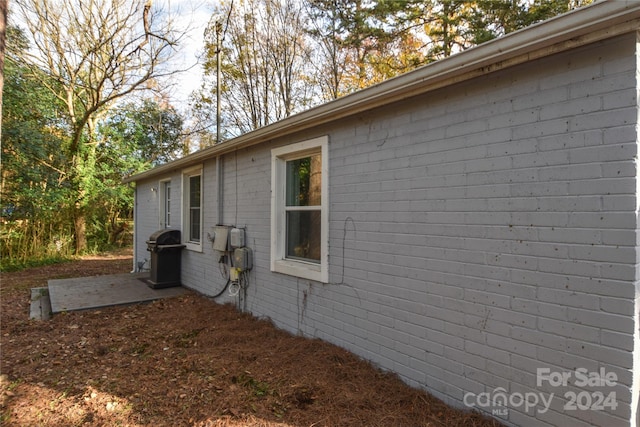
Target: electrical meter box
point(243, 259)
point(236, 238)
point(221, 238)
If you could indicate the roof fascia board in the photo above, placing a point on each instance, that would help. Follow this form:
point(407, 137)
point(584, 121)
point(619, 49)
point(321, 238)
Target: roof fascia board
point(596, 22)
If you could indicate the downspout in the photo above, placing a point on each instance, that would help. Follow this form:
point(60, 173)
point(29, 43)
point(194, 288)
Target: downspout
point(635, 380)
point(135, 225)
point(219, 189)
point(220, 203)
point(219, 157)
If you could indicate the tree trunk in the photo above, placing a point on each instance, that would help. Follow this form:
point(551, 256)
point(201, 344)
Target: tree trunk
point(3, 21)
point(80, 226)
point(115, 230)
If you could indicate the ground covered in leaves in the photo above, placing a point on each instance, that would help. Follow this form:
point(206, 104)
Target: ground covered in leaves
point(186, 361)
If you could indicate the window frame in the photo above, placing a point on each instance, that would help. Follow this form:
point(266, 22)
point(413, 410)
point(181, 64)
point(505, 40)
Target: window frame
point(187, 174)
point(165, 202)
point(279, 262)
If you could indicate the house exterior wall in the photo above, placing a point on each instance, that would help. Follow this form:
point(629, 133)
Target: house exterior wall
point(146, 221)
point(477, 233)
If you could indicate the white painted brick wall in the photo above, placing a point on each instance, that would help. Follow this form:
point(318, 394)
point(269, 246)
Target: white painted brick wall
point(477, 233)
point(146, 220)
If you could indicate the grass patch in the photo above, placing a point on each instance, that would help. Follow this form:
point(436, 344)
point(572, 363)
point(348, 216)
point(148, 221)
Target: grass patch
point(9, 265)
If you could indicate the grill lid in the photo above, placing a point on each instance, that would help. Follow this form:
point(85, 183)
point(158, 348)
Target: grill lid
point(166, 236)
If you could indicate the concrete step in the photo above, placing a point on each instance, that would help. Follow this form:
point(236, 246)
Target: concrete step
point(83, 293)
point(40, 304)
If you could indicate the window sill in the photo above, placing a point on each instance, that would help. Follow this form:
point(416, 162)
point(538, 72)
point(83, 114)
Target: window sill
point(300, 269)
point(195, 247)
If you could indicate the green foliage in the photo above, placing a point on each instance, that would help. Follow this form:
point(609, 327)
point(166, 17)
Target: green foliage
point(131, 139)
point(33, 194)
point(144, 134)
point(256, 388)
point(272, 67)
point(41, 176)
point(8, 265)
point(89, 59)
point(489, 19)
point(384, 30)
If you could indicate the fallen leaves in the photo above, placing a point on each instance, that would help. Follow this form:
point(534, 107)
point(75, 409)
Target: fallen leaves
point(188, 361)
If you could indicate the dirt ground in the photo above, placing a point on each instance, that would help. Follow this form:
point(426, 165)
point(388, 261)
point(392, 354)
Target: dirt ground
point(186, 361)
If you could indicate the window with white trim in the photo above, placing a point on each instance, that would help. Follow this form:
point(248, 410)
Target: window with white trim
point(165, 203)
point(299, 209)
point(192, 208)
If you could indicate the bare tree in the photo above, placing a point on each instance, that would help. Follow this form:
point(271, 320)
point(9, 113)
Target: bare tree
point(330, 61)
point(93, 53)
point(265, 63)
point(289, 57)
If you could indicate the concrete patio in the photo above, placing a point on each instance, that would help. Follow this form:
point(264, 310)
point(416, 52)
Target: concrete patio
point(84, 293)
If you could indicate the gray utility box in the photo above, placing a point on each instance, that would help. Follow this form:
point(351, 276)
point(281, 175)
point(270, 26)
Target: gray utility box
point(166, 258)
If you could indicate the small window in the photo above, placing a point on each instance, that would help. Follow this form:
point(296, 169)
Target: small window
point(299, 209)
point(303, 208)
point(165, 204)
point(192, 218)
point(194, 208)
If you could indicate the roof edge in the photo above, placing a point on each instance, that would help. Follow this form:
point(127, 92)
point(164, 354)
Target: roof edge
point(599, 21)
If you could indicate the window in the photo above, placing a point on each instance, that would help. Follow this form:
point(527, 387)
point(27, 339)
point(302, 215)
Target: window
point(165, 204)
point(299, 209)
point(192, 214)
